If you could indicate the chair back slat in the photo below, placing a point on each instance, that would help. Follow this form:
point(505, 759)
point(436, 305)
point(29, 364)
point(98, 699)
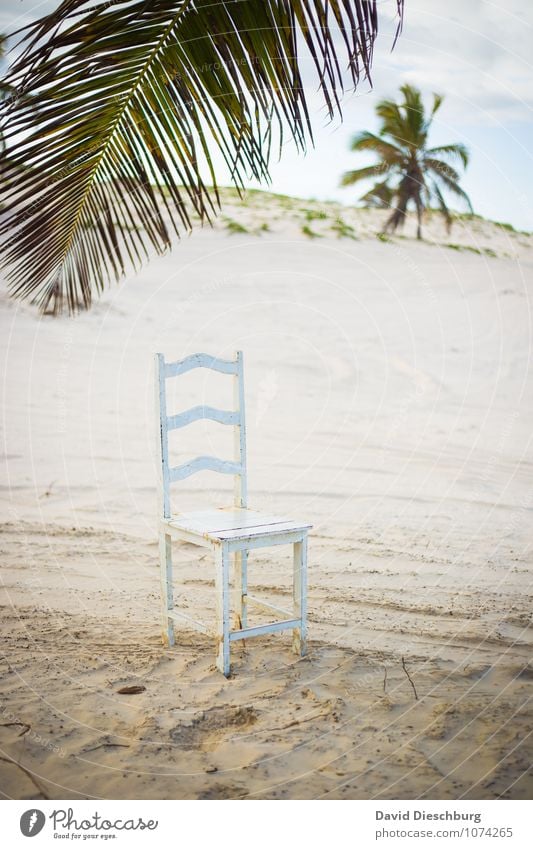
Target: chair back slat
point(164, 423)
point(200, 361)
point(199, 464)
point(195, 413)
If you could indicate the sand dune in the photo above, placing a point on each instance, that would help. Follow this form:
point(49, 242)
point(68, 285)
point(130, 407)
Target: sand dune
point(389, 402)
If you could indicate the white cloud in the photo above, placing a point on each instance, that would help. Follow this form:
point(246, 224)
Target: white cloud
point(17, 13)
point(477, 53)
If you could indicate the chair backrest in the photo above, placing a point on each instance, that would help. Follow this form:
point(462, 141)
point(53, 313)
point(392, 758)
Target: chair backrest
point(164, 423)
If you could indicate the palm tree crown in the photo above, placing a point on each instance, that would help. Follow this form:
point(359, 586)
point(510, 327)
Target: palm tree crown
point(122, 107)
point(411, 171)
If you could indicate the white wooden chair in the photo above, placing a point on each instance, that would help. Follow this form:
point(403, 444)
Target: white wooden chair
point(229, 532)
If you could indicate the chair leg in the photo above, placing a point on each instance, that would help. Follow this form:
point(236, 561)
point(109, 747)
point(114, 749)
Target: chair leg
point(299, 635)
point(222, 606)
point(167, 600)
point(241, 589)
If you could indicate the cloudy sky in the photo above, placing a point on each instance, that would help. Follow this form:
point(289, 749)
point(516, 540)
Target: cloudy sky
point(475, 52)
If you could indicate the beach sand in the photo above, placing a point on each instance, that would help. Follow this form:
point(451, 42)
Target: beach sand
point(389, 402)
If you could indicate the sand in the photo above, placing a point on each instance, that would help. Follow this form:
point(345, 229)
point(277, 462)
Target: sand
point(389, 402)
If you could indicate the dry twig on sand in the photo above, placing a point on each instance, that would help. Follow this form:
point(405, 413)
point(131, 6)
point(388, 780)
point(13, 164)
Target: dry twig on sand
point(409, 677)
point(25, 727)
point(33, 780)
point(107, 745)
point(293, 722)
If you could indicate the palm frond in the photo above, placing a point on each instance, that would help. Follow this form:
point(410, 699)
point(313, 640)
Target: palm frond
point(437, 103)
point(441, 168)
point(442, 205)
point(380, 196)
point(413, 113)
point(455, 189)
point(384, 148)
point(392, 121)
point(457, 150)
point(349, 178)
point(123, 106)
point(406, 121)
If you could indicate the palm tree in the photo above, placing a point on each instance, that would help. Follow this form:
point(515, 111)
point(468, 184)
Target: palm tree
point(413, 171)
point(122, 108)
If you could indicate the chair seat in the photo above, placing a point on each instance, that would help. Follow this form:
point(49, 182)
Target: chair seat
point(231, 523)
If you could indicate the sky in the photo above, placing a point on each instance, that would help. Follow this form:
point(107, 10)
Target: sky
point(476, 53)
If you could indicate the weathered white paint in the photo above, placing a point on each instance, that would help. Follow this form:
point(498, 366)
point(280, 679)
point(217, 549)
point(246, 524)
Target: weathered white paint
point(196, 413)
point(266, 540)
point(241, 484)
point(240, 560)
point(200, 361)
point(240, 498)
point(299, 636)
point(269, 628)
point(167, 598)
point(200, 464)
point(162, 436)
point(219, 522)
point(229, 532)
point(222, 604)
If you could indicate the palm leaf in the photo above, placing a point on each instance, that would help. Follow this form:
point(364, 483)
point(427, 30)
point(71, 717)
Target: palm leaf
point(381, 195)
point(457, 150)
point(437, 103)
point(387, 150)
point(442, 205)
point(441, 168)
point(392, 121)
point(351, 177)
point(455, 189)
point(413, 113)
point(123, 106)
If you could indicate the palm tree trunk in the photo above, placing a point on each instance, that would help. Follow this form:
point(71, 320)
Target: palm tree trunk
point(419, 211)
point(399, 212)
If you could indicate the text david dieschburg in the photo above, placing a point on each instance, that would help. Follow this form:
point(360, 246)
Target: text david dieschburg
point(426, 815)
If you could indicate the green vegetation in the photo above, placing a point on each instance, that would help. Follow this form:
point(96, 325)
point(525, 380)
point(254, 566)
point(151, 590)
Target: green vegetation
point(234, 226)
point(503, 225)
point(314, 214)
point(311, 234)
point(481, 251)
point(343, 230)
